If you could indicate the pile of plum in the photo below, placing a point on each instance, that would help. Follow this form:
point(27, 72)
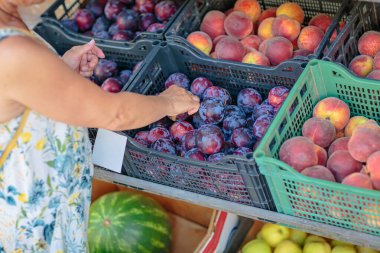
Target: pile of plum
point(110, 77)
point(121, 19)
point(219, 128)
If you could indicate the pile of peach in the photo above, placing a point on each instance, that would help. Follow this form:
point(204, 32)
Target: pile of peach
point(335, 147)
point(246, 34)
point(367, 64)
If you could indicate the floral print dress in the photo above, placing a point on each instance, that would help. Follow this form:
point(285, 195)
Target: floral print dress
point(45, 184)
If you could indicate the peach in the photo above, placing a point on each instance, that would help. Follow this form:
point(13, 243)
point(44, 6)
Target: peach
point(230, 48)
point(369, 43)
point(353, 123)
point(375, 74)
point(292, 10)
point(320, 131)
point(373, 167)
point(213, 55)
point(338, 144)
point(365, 140)
point(213, 24)
point(376, 61)
point(320, 172)
point(342, 164)
point(361, 65)
point(251, 42)
point(256, 57)
point(333, 109)
point(321, 154)
point(309, 38)
point(286, 27)
point(268, 13)
point(358, 180)
point(249, 7)
point(265, 29)
point(301, 52)
point(217, 39)
point(238, 25)
point(322, 21)
point(278, 50)
point(201, 41)
point(263, 46)
point(299, 153)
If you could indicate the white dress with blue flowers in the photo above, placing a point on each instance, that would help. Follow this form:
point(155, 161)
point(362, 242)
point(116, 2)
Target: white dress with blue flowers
point(45, 185)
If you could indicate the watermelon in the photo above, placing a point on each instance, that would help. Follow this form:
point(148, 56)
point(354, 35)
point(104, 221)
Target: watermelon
point(124, 222)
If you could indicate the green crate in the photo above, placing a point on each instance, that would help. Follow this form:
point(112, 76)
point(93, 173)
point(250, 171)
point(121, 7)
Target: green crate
point(310, 198)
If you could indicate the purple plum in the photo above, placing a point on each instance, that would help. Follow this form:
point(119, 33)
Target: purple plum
point(179, 129)
point(85, 19)
point(178, 79)
point(113, 29)
point(233, 122)
point(102, 35)
point(113, 8)
point(164, 145)
point(158, 133)
point(164, 122)
point(96, 8)
point(216, 157)
point(262, 109)
point(127, 20)
point(145, 6)
point(242, 137)
point(217, 93)
point(70, 24)
point(195, 154)
point(146, 19)
point(199, 85)
point(211, 111)
point(112, 85)
point(189, 140)
point(156, 28)
point(101, 24)
point(210, 139)
point(104, 69)
point(243, 151)
point(248, 99)
point(123, 35)
point(261, 125)
point(233, 110)
point(164, 10)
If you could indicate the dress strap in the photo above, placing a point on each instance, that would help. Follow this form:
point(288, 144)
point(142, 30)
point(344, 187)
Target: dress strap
point(11, 31)
point(14, 139)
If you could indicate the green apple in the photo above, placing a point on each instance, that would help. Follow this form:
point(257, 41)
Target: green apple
point(297, 236)
point(317, 247)
point(255, 246)
point(366, 250)
point(287, 246)
point(314, 238)
point(273, 234)
point(339, 243)
point(343, 249)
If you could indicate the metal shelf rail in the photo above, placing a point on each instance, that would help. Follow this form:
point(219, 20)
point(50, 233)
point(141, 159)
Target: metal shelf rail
point(313, 227)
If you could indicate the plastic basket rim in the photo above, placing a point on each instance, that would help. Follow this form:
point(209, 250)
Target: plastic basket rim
point(286, 170)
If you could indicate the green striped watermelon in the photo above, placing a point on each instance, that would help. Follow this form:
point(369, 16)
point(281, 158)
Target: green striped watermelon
point(123, 222)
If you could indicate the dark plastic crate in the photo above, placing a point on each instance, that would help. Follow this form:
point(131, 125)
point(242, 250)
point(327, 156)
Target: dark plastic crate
point(217, 180)
point(362, 17)
point(192, 15)
point(63, 9)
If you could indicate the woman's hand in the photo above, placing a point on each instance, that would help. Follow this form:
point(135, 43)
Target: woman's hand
point(180, 101)
point(83, 59)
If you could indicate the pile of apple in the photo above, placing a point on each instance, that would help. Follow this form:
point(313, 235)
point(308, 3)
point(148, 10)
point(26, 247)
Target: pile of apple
point(278, 239)
point(367, 64)
point(246, 34)
point(335, 147)
point(121, 19)
point(110, 77)
point(220, 128)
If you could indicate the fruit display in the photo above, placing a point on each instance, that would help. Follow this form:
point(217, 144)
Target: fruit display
point(352, 160)
point(121, 20)
point(248, 34)
point(128, 222)
point(110, 77)
point(224, 125)
point(273, 238)
point(367, 63)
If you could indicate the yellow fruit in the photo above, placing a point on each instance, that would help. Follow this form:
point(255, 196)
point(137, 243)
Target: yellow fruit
point(343, 249)
point(273, 234)
point(287, 246)
point(317, 247)
point(366, 250)
point(255, 246)
point(314, 238)
point(297, 236)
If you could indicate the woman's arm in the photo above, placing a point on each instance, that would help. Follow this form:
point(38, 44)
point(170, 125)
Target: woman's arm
point(33, 76)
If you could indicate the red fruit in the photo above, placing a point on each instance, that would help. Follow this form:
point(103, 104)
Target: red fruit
point(319, 172)
point(85, 19)
point(195, 154)
point(127, 20)
point(211, 111)
point(165, 10)
point(217, 93)
point(242, 137)
point(178, 79)
point(210, 139)
point(277, 96)
point(113, 8)
point(248, 99)
point(261, 125)
point(145, 6)
point(179, 129)
point(189, 141)
point(199, 85)
point(105, 69)
point(158, 133)
point(164, 146)
point(155, 28)
point(322, 21)
point(342, 164)
point(112, 84)
point(358, 180)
